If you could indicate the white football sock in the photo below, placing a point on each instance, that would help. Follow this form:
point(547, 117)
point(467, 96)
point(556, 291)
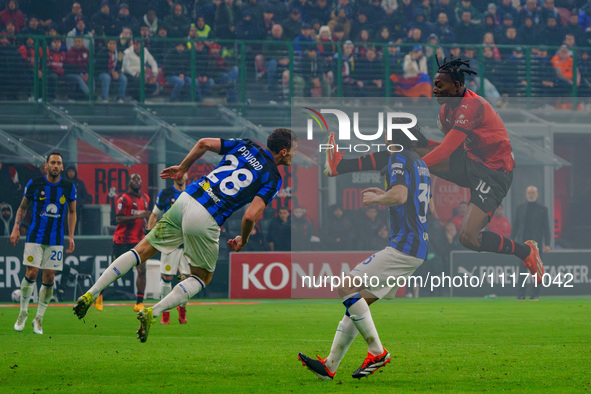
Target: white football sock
point(361, 317)
point(45, 295)
point(183, 277)
point(26, 291)
point(181, 293)
point(343, 338)
point(116, 270)
point(165, 288)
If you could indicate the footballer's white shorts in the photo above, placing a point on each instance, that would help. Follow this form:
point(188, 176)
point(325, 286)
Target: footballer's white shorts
point(46, 257)
point(173, 262)
point(386, 265)
point(188, 222)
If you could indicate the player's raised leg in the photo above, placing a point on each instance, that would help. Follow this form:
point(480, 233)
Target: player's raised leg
point(142, 252)
point(473, 238)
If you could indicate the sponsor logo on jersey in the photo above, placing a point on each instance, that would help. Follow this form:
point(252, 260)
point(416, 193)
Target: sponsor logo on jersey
point(207, 188)
point(51, 211)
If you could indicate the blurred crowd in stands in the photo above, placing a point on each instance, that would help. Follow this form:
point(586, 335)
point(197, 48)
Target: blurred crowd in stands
point(518, 47)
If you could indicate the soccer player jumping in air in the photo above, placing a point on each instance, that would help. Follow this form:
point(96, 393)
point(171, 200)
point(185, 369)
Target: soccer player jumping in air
point(475, 153)
point(408, 191)
point(246, 174)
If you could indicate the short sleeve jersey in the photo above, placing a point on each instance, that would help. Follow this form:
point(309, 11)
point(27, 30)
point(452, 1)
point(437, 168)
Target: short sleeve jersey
point(408, 221)
point(49, 203)
point(128, 205)
point(167, 197)
point(487, 141)
point(246, 171)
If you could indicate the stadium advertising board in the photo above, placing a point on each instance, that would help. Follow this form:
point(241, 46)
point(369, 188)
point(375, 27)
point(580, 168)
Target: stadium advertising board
point(567, 273)
point(290, 275)
point(90, 256)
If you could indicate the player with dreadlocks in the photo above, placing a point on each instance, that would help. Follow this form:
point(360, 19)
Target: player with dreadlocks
point(475, 153)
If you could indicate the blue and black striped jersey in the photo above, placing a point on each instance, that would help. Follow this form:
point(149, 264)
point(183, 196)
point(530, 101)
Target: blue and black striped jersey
point(167, 197)
point(408, 221)
point(49, 203)
point(246, 171)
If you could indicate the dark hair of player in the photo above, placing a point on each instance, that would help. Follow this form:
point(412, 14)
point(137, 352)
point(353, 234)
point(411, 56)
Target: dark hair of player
point(53, 153)
point(456, 68)
point(281, 139)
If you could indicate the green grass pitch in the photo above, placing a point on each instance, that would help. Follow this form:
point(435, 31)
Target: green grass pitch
point(436, 345)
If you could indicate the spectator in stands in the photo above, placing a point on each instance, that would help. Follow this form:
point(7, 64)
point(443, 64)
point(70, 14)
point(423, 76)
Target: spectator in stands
point(326, 48)
point(375, 13)
point(150, 19)
point(321, 11)
point(347, 62)
point(9, 33)
point(304, 40)
point(203, 69)
point(489, 40)
point(108, 69)
point(396, 59)
point(506, 7)
point(569, 41)
point(584, 66)
point(492, 66)
point(27, 51)
point(415, 63)
point(268, 20)
point(11, 189)
point(528, 33)
point(256, 9)
point(507, 22)
point(279, 232)
point(415, 36)
point(292, 25)
point(362, 43)
point(125, 41)
point(103, 24)
point(33, 28)
point(491, 26)
point(131, 67)
point(466, 5)
point(406, 10)
point(550, 11)
point(159, 46)
point(83, 197)
point(338, 34)
point(532, 11)
point(448, 244)
point(79, 30)
point(444, 30)
point(500, 224)
point(177, 24)
point(310, 75)
point(383, 37)
point(337, 232)
point(460, 213)
point(552, 33)
point(544, 76)
point(370, 225)
point(203, 29)
point(70, 21)
point(6, 219)
point(227, 15)
point(360, 23)
point(446, 8)
point(531, 222)
point(473, 81)
point(177, 66)
point(249, 28)
point(274, 58)
point(56, 57)
point(125, 19)
point(420, 22)
point(301, 230)
point(467, 32)
point(225, 74)
point(145, 36)
point(563, 65)
point(511, 39)
point(573, 28)
point(11, 13)
point(76, 65)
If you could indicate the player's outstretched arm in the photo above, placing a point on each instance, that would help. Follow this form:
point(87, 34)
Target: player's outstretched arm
point(371, 162)
point(452, 140)
point(202, 146)
point(250, 217)
point(20, 215)
point(395, 196)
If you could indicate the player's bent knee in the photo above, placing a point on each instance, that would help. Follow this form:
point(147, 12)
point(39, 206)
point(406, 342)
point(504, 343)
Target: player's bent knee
point(469, 240)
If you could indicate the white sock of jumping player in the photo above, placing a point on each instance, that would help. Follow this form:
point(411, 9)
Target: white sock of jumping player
point(343, 338)
point(26, 291)
point(361, 317)
point(165, 287)
point(45, 295)
point(181, 293)
point(116, 270)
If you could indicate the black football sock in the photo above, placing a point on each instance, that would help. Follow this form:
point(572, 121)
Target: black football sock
point(139, 299)
point(493, 242)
